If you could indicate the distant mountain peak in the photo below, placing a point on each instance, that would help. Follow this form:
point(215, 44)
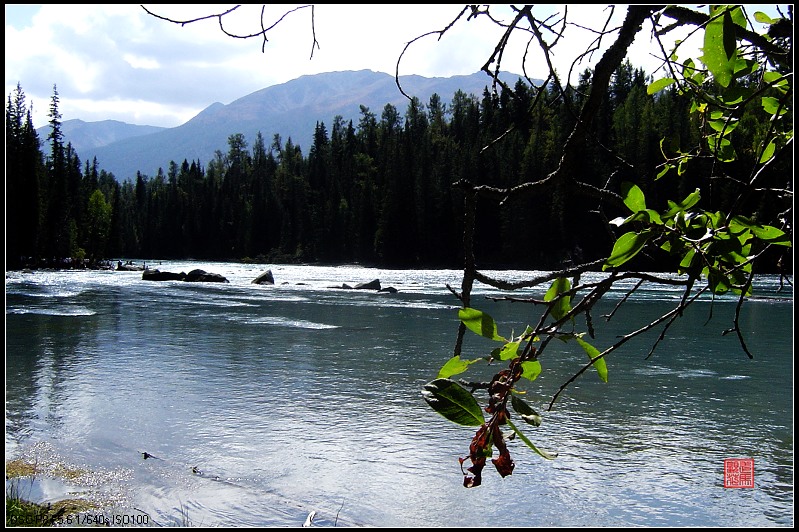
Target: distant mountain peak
point(86, 137)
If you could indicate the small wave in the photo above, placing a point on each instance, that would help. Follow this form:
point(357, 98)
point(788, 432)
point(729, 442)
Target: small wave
point(265, 296)
point(50, 294)
point(735, 377)
point(653, 370)
point(384, 303)
point(284, 322)
point(420, 305)
point(226, 303)
point(696, 373)
point(76, 311)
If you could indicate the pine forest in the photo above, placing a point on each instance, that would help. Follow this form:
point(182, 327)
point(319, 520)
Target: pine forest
point(383, 191)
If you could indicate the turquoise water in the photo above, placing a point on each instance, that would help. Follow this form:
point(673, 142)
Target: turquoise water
point(260, 404)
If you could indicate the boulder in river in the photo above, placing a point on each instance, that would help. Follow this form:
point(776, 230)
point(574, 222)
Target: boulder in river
point(265, 278)
point(202, 276)
point(157, 275)
point(371, 285)
point(194, 276)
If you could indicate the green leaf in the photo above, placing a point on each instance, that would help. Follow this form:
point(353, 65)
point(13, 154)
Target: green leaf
point(673, 56)
point(768, 153)
point(687, 260)
point(526, 411)
point(772, 235)
point(666, 168)
point(633, 196)
point(599, 363)
point(763, 18)
point(626, 247)
point(716, 219)
point(772, 105)
point(737, 16)
point(659, 85)
point(721, 148)
point(730, 248)
point(723, 126)
point(531, 369)
point(741, 222)
point(740, 277)
point(480, 323)
point(688, 67)
point(718, 282)
point(528, 331)
point(720, 46)
point(734, 94)
point(495, 352)
point(452, 401)
point(699, 78)
point(649, 216)
point(766, 233)
point(689, 201)
point(777, 80)
point(678, 220)
point(544, 454)
point(563, 305)
point(744, 67)
point(454, 366)
point(508, 351)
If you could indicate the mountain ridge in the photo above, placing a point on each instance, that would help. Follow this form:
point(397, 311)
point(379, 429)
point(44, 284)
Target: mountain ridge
point(291, 110)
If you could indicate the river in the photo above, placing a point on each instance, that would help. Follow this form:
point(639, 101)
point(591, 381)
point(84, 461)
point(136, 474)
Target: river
point(257, 404)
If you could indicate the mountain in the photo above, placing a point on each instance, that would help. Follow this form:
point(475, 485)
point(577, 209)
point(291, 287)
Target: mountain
point(86, 136)
point(291, 110)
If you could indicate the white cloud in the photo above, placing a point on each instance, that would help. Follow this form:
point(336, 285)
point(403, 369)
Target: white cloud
point(146, 63)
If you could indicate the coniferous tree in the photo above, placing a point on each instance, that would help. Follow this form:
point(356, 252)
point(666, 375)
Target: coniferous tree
point(24, 171)
point(392, 239)
point(337, 191)
point(98, 226)
point(55, 237)
point(321, 193)
point(418, 162)
point(441, 203)
point(266, 221)
point(366, 193)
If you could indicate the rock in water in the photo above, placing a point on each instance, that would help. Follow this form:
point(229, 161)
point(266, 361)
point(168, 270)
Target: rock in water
point(265, 278)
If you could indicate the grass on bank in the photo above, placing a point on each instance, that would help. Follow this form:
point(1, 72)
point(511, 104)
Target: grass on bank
point(22, 512)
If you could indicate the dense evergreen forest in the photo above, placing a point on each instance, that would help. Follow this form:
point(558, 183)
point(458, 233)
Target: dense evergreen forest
point(379, 192)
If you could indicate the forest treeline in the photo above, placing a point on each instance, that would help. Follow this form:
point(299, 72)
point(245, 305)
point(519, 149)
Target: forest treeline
point(381, 191)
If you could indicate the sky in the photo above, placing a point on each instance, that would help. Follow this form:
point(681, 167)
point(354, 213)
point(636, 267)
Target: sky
point(117, 62)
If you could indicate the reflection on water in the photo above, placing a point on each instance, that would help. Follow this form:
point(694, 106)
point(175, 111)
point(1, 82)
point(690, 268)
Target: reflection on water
point(262, 403)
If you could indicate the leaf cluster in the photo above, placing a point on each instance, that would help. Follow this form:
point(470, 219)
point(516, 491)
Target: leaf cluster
point(713, 251)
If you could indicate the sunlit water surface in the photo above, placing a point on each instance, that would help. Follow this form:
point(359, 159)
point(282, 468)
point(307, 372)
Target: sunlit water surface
point(260, 404)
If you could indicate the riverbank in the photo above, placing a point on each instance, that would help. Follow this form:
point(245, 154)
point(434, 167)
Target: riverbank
point(43, 490)
point(21, 511)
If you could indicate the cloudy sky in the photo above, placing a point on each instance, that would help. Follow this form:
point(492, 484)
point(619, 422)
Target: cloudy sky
point(118, 62)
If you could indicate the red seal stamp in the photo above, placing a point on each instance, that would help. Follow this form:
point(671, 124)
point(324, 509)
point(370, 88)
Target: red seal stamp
point(739, 472)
